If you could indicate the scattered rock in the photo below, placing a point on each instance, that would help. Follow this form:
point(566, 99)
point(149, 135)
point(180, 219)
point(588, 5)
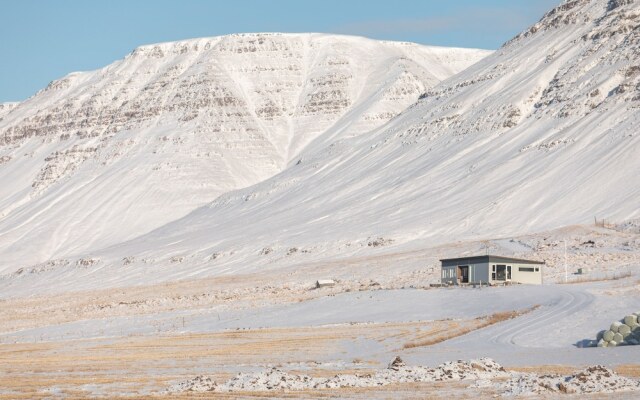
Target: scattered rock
point(379, 242)
point(128, 260)
point(594, 379)
point(87, 262)
point(198, 384)
point(397, 372)
point(397, 363)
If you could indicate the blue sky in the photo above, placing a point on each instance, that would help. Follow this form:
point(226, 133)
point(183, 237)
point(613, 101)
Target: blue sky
point(42, 40)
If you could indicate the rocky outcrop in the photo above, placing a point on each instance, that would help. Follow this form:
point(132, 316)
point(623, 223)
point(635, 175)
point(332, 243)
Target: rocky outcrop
point(276, 379)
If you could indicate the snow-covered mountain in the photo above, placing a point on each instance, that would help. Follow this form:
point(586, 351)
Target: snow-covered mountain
point(6, 107)
point(539, 135)
point(104, 156)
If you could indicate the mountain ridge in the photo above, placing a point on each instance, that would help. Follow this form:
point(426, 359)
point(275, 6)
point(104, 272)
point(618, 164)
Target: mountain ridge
point(103, 156)
point(539, 135)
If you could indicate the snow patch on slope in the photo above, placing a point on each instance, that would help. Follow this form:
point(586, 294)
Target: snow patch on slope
point(539, 135)
point(99, 157)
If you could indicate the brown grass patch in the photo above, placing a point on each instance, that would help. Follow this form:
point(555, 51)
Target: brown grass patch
point(463, 329)
point(630, 370)
point(546, 369)
point(139, 364)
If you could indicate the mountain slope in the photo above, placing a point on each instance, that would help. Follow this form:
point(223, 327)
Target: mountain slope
point(100, 157)
point(541, 134)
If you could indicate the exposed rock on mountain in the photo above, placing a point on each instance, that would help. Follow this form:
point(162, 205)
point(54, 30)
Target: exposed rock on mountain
point(103, 156)
point(539, 135)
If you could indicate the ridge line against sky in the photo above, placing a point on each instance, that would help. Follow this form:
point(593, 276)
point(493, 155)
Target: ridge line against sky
point(45, 40)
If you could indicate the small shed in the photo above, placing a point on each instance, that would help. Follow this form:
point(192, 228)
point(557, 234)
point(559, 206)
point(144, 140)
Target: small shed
point(490, 269)
point(320, 283)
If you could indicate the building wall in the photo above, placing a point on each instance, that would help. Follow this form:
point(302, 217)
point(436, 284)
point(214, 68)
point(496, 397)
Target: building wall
point(448, 274)
point(478, 272)
point(521, 273)
point(482, 272)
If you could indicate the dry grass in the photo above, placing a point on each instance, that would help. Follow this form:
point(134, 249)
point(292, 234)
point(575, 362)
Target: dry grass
point(630, 370)
point(139, 365)
point(546, 369)
point(613, 277)
point(463, 329)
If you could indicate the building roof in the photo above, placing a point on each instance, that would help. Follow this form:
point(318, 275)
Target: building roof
point(490, 259)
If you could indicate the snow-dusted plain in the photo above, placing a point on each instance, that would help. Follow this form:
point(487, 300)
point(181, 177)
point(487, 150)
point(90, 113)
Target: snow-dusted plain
point(192, 193)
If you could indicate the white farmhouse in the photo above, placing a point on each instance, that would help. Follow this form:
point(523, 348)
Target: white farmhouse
point(490, 269)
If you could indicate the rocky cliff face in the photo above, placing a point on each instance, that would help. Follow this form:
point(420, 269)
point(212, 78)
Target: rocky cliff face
point(5, 108)
point(99, 157)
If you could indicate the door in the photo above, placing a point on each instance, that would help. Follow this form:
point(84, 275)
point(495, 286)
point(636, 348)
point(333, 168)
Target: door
point(463, 274)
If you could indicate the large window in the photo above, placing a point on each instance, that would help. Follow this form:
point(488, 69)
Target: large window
point(500, 272)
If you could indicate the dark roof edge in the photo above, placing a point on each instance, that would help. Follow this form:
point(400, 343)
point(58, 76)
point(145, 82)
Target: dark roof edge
point(490, 258)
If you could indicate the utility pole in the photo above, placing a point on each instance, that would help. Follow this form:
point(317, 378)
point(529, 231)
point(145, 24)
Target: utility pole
point(566, 273)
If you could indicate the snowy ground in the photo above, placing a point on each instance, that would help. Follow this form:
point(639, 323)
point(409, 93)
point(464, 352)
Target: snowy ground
point(382, 307)
point(103, 292)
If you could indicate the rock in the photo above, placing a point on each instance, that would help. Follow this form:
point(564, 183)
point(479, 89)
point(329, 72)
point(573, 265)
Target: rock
point(397, 363)
point(200, 383)
point(594, 379)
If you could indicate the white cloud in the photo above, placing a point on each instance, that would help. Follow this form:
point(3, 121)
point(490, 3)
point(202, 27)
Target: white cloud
point(472, 21)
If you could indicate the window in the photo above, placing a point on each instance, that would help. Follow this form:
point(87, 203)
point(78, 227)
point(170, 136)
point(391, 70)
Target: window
point(444, 273)
point(526, 269)
point(508, 272)
point(537, 269)
point(501, 273)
